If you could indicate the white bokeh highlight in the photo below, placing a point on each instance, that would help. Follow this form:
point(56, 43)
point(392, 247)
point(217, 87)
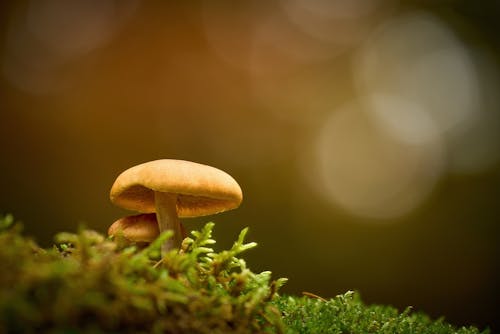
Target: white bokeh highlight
point(426, 105)
point(366, 171)
point(418, 58)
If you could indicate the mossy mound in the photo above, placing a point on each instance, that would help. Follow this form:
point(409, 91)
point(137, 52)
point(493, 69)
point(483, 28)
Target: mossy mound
point(87, 283)
point(346, 313)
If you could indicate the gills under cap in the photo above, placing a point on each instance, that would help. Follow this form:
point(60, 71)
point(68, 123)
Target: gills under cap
point(200, 189)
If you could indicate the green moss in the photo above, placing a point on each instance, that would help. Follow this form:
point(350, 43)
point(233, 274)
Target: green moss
point(348, 314)
point(87, 283)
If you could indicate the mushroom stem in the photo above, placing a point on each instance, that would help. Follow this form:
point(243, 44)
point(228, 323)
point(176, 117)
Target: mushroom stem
point(166, 215)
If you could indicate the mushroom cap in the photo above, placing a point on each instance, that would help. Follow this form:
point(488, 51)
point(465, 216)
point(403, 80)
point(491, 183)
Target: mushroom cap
point(138, 228)
point(201, 190)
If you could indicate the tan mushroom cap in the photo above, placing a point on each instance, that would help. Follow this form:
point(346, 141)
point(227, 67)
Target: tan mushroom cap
point(138, 228)
point(201, 190)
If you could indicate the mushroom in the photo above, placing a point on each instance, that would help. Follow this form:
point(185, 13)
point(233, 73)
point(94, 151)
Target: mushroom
point(138, 228)
point(175, 188)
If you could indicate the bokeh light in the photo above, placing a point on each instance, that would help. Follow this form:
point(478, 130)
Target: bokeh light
point(443, 76)
point(367, 171)
point(335, 22)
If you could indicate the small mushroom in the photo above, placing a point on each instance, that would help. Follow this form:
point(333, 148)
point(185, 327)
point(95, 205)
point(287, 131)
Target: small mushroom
point(138, 228)
point(173, 189)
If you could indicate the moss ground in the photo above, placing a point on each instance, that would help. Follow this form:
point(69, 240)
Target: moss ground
point(346, 313)
point(87, 283)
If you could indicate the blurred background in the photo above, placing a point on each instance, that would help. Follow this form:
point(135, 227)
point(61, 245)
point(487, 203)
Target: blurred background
point(365, 134)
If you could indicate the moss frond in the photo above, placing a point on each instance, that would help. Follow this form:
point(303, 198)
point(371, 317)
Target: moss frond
point(87, 283)
point(346, 313)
